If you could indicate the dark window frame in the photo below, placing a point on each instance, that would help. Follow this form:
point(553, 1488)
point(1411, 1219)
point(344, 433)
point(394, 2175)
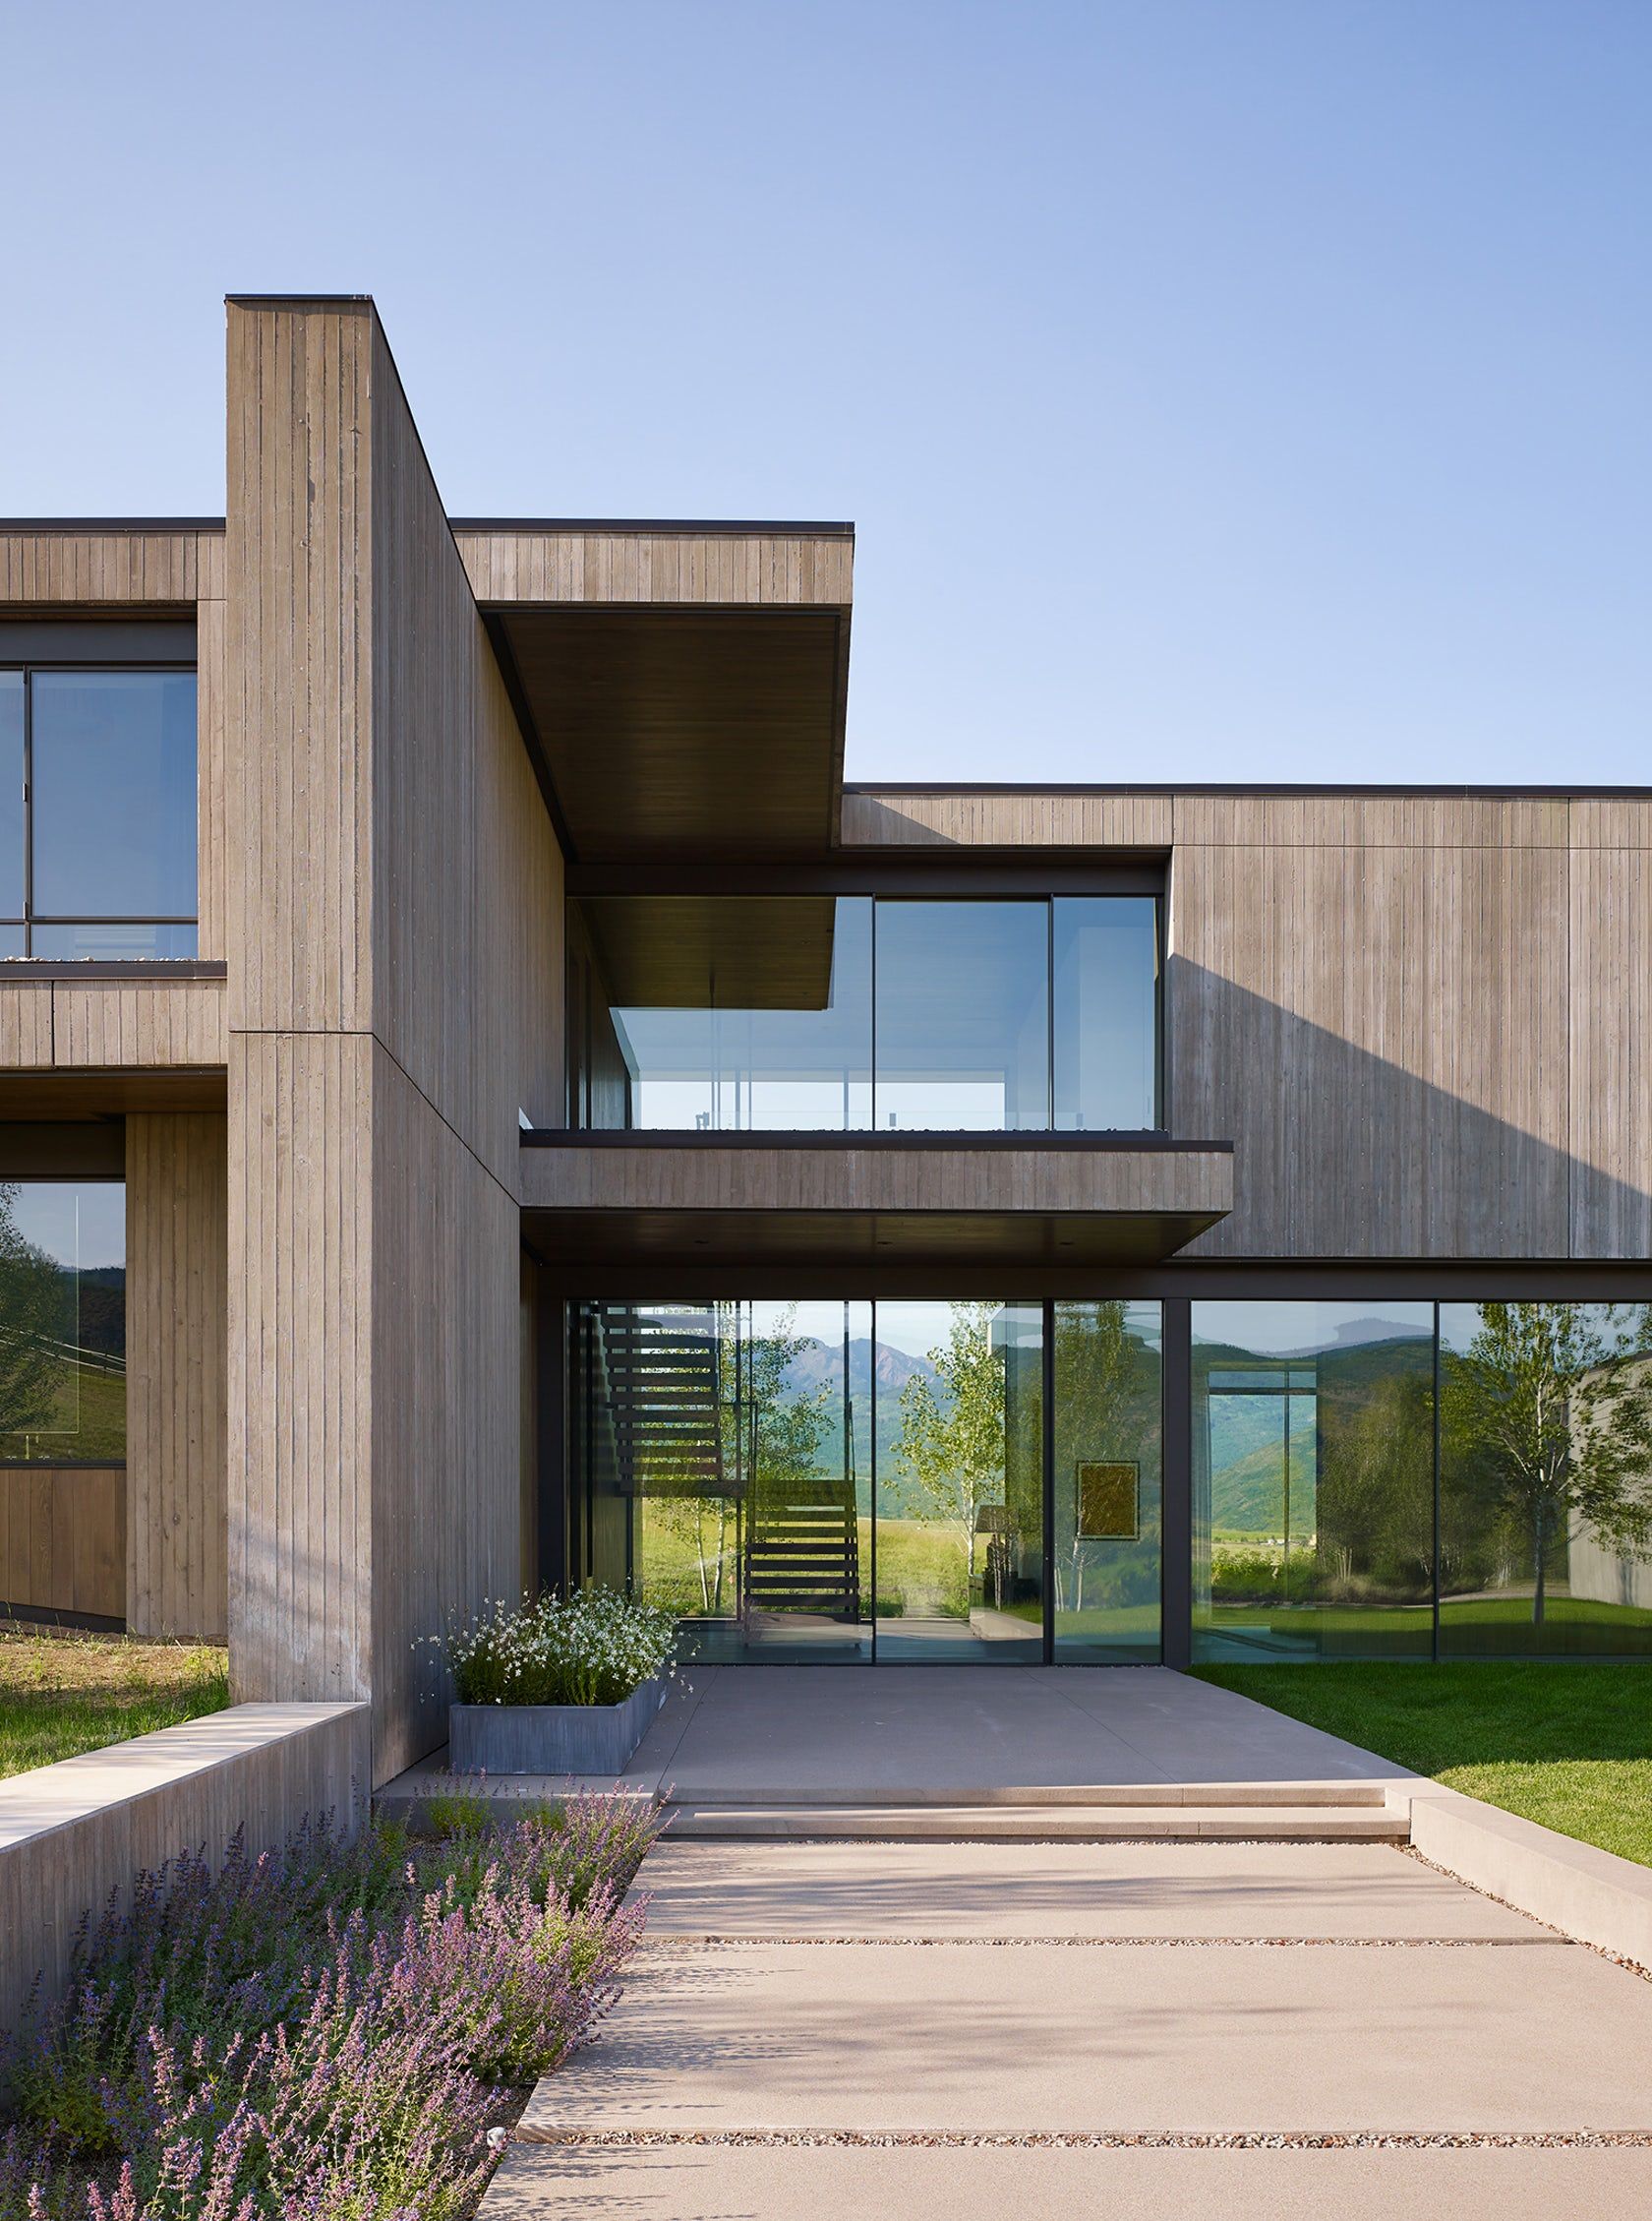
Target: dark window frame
point(27, 665)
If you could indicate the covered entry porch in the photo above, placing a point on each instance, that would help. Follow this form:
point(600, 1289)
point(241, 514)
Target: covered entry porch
point(971, 1752)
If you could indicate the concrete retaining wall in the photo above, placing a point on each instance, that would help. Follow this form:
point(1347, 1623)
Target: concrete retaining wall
point(72, 1835)
point(1587, 1894)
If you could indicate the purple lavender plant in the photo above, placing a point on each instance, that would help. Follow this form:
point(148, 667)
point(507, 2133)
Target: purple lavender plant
point(321, 2036)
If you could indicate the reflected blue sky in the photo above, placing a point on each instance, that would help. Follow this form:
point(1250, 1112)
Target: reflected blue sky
point(1278, 1330)
point(78, 1223)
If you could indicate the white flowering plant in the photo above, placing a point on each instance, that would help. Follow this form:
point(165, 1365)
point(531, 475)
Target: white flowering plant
point(594, 1647)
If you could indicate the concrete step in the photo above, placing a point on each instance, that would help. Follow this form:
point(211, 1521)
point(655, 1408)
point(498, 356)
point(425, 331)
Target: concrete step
point(1093, 1824)
point(1134, 1794)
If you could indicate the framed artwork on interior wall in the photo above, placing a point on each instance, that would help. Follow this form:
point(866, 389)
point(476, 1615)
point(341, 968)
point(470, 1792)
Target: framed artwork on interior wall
point(1108, 1498)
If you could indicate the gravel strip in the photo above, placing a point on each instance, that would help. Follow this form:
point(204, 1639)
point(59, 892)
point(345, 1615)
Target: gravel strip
point(1152, 2140)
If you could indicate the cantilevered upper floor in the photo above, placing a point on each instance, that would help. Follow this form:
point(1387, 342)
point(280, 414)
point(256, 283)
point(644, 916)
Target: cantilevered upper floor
point(553, 812)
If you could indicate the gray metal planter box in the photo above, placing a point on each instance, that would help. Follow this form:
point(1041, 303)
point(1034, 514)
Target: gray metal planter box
point(551, 1738)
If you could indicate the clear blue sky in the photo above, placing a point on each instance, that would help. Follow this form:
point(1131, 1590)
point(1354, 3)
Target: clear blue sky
point(1223, 388)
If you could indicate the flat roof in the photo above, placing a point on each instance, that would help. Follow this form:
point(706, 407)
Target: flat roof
point(699, 527)
point(111, 523)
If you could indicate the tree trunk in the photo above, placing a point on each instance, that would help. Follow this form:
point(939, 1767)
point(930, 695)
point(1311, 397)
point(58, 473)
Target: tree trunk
point(1539, 1541)
point(700, 1552)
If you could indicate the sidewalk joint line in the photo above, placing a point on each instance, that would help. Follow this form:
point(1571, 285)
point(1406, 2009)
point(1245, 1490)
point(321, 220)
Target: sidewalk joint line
point(686, 1945)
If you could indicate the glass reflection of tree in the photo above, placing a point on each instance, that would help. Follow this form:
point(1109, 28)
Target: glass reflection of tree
point(950, 1449)
point(34, 1291)
point(1548, 1421)
point(1375, 1524)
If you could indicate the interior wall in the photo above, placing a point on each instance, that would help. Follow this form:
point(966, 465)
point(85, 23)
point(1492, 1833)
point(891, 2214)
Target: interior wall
point(177, 1263)
point(599, 1075)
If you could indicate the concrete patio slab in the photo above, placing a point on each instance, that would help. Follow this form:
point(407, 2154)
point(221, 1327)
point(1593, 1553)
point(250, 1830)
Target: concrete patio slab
point(1036, 2037)
point(853, 1736)
point(783, 2183)
point(1095, 1889)
point(848, 1736)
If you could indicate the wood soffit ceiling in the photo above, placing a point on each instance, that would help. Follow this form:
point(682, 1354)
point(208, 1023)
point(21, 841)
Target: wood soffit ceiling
point(697, 952)
point(666, 732)
point(81, 1094)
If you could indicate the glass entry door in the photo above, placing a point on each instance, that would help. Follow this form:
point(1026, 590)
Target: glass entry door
point(958, 1399)
point(1107, 1485)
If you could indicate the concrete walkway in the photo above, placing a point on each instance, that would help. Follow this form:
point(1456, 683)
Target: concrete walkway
point(974, 2028)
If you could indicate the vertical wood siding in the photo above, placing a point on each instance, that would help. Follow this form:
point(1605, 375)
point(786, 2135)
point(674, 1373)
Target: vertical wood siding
point(1384, 1026)
point(394, 943)
point(524, 565)
point(62, 1539)
point(1609, 1004)
point(966, 819)
point(177, 1248)
point(92, 568)
point(298, 670)
point(301, 1382)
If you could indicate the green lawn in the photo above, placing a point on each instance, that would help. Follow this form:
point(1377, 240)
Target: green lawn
point(1568, 1745)
point(62, 1693)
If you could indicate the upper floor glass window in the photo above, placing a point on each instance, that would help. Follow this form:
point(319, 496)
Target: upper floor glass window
point(856, 1013)
point(963, 1016)
point(1104, 999)
point(97, 812)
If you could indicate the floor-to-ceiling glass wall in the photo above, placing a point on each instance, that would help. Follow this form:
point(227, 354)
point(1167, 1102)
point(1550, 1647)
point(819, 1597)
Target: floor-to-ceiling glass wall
point(1545, 1480)
point(1312, 1474)
point(63, 1400)
point(850, 1013)
point(1107, 1485)
point(1104, 978)
point(930, 1480)
point(789, 1477)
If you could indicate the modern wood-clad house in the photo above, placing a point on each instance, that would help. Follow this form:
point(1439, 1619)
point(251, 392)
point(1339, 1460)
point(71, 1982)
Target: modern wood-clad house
point(483, 1105)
